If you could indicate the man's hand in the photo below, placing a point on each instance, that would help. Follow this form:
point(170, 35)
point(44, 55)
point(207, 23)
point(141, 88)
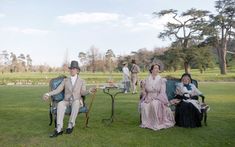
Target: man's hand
point(45, 97)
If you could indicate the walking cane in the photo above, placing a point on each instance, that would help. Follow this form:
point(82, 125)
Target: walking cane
point(50, 108)
point(89, 109)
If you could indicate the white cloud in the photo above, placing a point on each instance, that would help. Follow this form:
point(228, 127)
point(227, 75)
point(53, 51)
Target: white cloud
point(2, 15)
point(127, 22)
point(144, 22)
point(34, 31)
point(84, 17)
point(10, 29)
point(138, 23)
point(29, 31)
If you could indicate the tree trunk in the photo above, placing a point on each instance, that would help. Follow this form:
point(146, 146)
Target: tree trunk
point(93, 66)
point(175, 69)
point(201, 71)
point(223, 69)
point(186, 67)
point(221, 50)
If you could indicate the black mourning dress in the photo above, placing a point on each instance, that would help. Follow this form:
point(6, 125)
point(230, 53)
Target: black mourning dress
point(186, 114)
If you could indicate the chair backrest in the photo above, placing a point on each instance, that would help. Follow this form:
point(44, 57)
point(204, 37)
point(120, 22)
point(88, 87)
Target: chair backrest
point(54, 83)
point(171, 87)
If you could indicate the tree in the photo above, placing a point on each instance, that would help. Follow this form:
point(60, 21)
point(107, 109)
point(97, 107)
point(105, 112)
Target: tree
point(231, 45)
point(29, 62)
point(109, 58)
point(221, 29)
point(93, 56)
point(43, 68)
point(21, 63)
point(100, 63)
point(4, 60)
point(202, 57)
point(65, 64)
point(197, 56)
point(143, 58)
point(83, 60)
point(13, 62)
point(4, 56)
point(185, 28)
point(172, 58)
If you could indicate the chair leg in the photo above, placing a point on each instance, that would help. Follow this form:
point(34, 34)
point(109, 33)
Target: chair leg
point(205, 118)
point(51, 118)
point(55, 121)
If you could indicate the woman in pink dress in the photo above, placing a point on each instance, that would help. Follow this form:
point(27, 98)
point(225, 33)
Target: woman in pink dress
point(154, 105)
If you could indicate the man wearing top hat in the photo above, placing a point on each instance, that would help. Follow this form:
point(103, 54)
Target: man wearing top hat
point(135, 69)
point(74, 88)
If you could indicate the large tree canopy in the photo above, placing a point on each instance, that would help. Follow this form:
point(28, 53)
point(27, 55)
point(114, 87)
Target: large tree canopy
point(184, 28)
point(222, 30)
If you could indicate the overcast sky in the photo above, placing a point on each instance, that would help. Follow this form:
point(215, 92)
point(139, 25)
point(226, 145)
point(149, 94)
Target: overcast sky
point(45, 29)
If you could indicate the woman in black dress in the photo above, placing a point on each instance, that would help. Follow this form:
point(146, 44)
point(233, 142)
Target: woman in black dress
point(188, 111)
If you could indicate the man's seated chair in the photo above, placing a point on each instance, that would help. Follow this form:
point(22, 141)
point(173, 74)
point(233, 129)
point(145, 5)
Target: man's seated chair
point(54, 83)
point(170, 91)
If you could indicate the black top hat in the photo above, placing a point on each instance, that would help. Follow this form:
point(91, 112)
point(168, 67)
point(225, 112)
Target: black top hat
point(74, 64)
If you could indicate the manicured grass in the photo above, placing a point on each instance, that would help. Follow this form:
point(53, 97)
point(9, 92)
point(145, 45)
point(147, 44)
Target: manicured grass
point(24, 121)
point(99, 77)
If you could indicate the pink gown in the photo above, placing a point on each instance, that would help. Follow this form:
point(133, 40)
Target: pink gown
point(155, 112)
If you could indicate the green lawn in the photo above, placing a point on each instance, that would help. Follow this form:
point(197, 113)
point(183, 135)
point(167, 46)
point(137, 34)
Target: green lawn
point(100, 77)
point(24, 121)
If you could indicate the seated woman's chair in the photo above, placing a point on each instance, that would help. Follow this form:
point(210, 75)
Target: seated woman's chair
point(170, 91)
point(54, 83)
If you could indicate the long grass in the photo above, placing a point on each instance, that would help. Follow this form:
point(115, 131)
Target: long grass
point(24, 121)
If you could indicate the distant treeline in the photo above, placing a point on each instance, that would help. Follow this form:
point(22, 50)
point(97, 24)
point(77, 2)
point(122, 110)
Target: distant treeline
point(94, 61)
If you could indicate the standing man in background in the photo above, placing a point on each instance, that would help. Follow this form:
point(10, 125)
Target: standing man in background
point(135, 69)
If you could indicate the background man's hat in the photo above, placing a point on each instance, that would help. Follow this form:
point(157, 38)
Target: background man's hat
point(74, 64)
point(133, 61)
point(124, 63)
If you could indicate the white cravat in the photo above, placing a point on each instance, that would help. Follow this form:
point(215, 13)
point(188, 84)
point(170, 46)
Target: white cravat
point(73, 79)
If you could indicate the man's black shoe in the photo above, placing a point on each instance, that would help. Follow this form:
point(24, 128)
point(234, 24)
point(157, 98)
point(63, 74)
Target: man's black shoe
point(55, 134)
point(69, 130)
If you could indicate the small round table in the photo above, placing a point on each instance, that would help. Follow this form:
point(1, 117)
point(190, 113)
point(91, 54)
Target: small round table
point(107, 90)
